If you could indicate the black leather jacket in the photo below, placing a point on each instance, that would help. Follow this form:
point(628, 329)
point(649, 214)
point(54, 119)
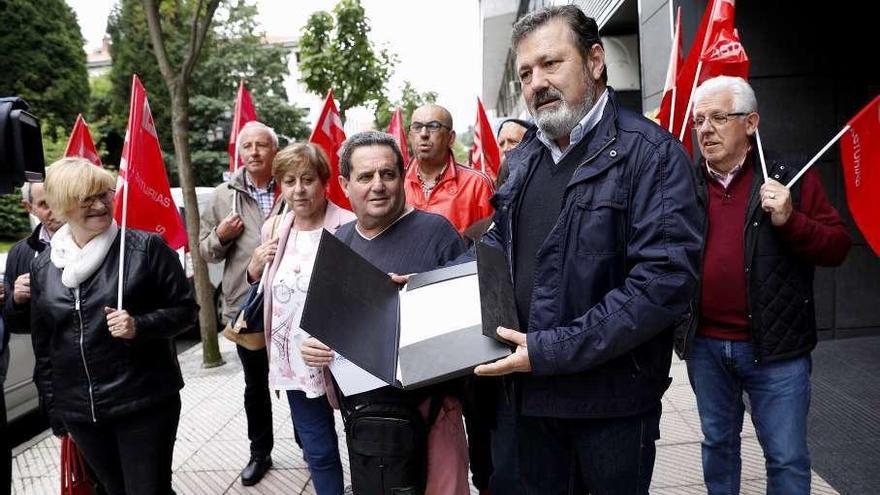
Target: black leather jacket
point(18, 262)
point(82, 372)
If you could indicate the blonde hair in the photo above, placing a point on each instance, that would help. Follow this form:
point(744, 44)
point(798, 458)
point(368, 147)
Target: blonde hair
point(299, 157)
point(71, 180)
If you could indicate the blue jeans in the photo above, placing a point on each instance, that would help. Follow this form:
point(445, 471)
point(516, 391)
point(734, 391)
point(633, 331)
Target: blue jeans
point(779, 393)
point(313, 420)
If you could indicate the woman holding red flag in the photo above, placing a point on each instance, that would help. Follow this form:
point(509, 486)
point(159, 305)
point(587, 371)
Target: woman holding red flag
point(109, 376)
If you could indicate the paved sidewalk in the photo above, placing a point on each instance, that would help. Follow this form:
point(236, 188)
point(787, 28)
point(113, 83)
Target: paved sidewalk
point(212, 444)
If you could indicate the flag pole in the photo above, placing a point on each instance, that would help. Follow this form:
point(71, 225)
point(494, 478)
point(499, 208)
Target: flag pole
point(818, 155)
point(234, 192)
point(122, 240)
point(672, 112)
point(761, 154)
point(687, 110)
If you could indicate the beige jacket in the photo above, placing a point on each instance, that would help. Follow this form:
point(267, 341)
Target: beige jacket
point(237, 253)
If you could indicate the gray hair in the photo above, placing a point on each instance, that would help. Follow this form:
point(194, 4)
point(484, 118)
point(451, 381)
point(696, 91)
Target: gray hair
point(256, 125)
point(584, 29)
point(367, 138)
point(744, 100)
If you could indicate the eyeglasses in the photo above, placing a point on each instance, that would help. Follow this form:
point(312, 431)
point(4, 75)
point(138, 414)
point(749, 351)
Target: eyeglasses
point(716, 119)
point(105, 197)
point(432, 126)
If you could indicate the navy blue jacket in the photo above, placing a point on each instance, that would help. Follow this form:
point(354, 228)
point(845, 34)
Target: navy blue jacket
point(614, 276)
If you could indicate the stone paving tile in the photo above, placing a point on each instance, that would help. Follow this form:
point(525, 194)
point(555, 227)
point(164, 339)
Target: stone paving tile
point(276, 482)
point(677, 465)
point(681, 397)
point(183, 450)
point(203, 482)
point(674, 429)
point(212, 444)
point(218, 455)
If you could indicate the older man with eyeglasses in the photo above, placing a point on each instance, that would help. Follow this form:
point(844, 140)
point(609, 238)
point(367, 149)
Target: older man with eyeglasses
point(434, 182)
point(756, 324)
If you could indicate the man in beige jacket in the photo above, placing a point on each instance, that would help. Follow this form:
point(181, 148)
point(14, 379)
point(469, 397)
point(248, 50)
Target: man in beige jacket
point(230, 232)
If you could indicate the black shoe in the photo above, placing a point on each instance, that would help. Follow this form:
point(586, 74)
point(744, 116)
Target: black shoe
point(255, 470)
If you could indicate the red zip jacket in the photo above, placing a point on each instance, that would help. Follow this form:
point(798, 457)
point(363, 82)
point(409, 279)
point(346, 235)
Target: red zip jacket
point(461, 194)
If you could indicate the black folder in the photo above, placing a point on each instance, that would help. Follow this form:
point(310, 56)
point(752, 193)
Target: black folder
point(355, 308)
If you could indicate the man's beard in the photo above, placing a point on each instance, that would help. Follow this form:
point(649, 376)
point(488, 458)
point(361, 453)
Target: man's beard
point(558, 122)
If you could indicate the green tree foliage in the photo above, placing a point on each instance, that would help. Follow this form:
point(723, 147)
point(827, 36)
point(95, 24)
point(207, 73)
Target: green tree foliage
point(336, 53)
point(409, 100)
point(14, 221)
point(43, 60)
point(233, 50)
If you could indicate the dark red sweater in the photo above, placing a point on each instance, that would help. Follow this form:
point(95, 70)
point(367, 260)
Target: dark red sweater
point(814, 232)
point(723, 305)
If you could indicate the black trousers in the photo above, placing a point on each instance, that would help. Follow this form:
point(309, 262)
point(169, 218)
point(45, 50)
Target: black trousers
point(257, 400)
point(613, 456)
point(131, 455)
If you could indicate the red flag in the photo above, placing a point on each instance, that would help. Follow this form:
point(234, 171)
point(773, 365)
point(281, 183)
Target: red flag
point(485, 154)
point(675, 62)
point(398, 130)
point(244, 112)
point(150, 206)
point(716, 51)
point(80, 142)
point(860, 157)
point(328, 134)
point(724, 56)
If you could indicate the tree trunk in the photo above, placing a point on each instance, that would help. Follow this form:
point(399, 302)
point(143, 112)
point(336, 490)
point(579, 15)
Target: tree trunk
point(204, 290)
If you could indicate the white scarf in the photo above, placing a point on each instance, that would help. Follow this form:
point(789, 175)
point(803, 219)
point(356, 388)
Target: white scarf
point(77, 264)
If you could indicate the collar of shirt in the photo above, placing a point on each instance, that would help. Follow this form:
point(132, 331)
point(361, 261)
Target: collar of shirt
point(44, 235)
point(414, 174)
point(726, 179)
point(590, 120)
point(265, 198)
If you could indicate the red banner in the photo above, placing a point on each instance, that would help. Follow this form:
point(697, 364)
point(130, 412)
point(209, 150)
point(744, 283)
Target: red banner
point(716, 51)
point(243, 113)
point(724, 56)
point(397, 129)
point(860, 157)
point(485, 154)
point(142, 173)
point(665, 115)
point(80, 142)
point(328, 134)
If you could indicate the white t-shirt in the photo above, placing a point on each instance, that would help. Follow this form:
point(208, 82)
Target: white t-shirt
point(287, 371)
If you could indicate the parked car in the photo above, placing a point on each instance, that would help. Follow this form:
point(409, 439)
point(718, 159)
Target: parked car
point(19, 388)
point(215, 270)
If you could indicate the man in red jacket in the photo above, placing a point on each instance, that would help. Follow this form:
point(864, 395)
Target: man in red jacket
point(756, 320)
point(434, 182)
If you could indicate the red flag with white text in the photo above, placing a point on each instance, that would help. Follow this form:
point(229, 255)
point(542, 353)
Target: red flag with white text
point(676, 60)
point(397, 129)
point(485, 154)
point(142, 174)
point(860, 157)
point(243, 113)
point(80, 142)
point(724, 56)
point(716, 50)
point(328, 134)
